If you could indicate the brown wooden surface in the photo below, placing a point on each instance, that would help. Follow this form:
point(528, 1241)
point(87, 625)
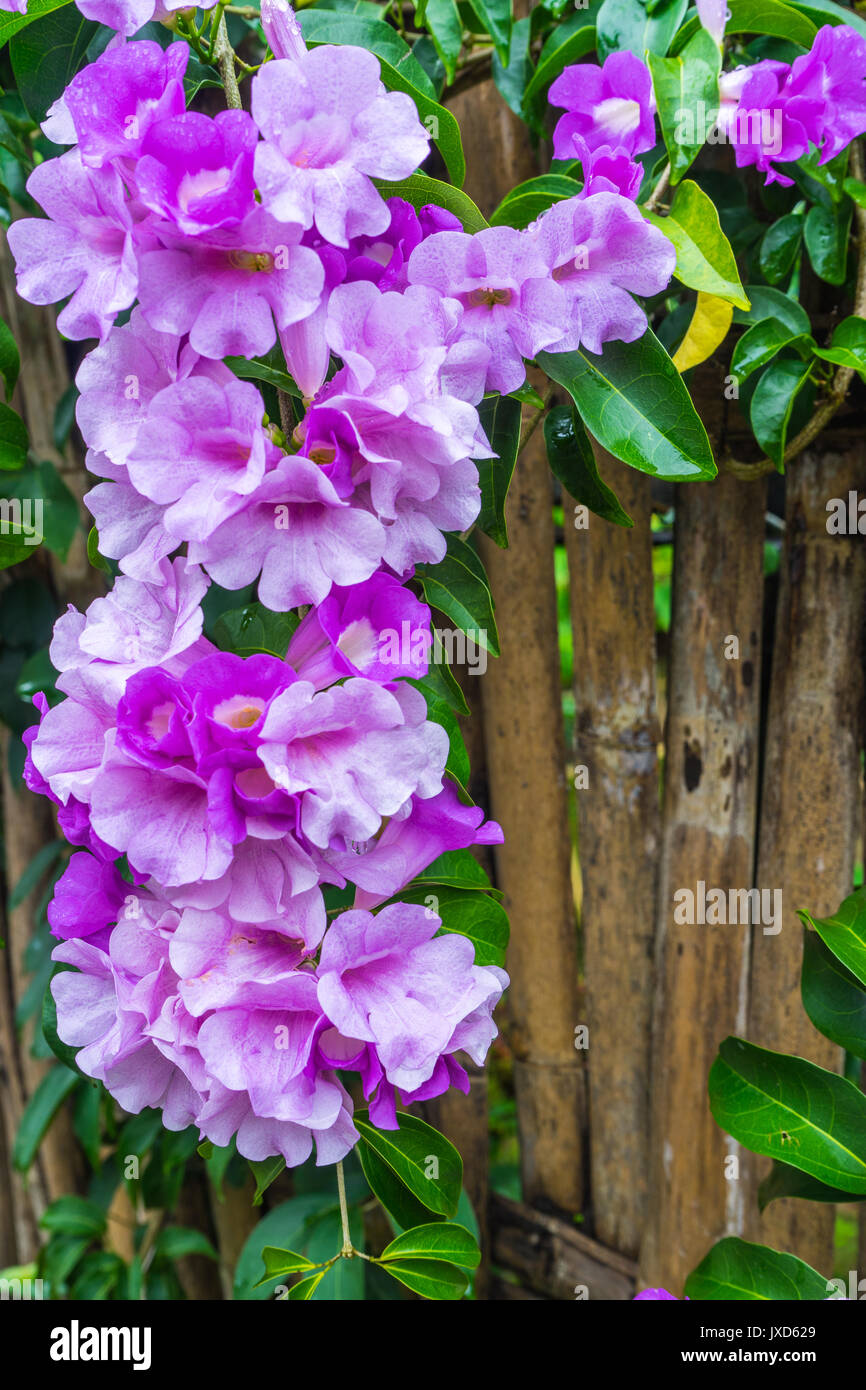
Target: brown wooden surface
point(554, 1259)
point(811, 812)
point(711, 780)
point(616, 739)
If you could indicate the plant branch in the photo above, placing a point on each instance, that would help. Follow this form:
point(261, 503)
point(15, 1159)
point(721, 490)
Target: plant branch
point(225, 56)
point(348, 1249)
point(660, 189)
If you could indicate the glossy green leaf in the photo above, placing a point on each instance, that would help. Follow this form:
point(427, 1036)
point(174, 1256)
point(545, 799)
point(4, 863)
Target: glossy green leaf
point(769, 303)
point(43, 1105)
point(633, 401)
point(458, 587)
point(845, 932)
point(833, 997)
point(10, 361)
point(46, 55)
point(826, 236)
point(572, 461)
point(441, 1240)
point(554, 61)
point(457, 868)
point(394, 1195)
point(288, 1226)
point(305, 1288)
point(740, 1271)
point(512, 77)
point(788, 1108)
point(500, 420)
point(780, 247)
point(785, 1181)
point(628, 24)
point(471, 914)
point(265, 1172)
point(495, 16)
point(430, 1278)
point(442, 22)
point(761, 343)
point(424, 1160)
point(529, 200)
point(848, 345)
point(781, 387)
point(271, 369)
point(419, 190)
point(758, 17)
point(687, 97)
point(255, 629)
point(14, 441)
point(11, 23)
point(176, 1242)
point(61, 1050)
point(279, 1263)
point(828, 12)
point(705, 260)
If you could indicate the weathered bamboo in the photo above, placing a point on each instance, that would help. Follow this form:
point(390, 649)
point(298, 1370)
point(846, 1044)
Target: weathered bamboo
point(811, 804)
point(711, 780)
point(616, 740)
point(555, 1260)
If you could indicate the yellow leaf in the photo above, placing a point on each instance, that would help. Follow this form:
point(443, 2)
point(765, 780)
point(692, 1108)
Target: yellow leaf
point(709, 326)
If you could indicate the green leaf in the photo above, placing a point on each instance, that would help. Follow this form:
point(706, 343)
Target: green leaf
point(393, 1194)
point(62, 1051)
point(270, 368)
point(424, 1160)
point(440, 1240)
point(705, 260)
point(279, 1263)
point(97, 1275)
point(419, 190)
point(512, 77)
point(174, 1242)
point(780, 247)
point(845, 932)
point(856, 190)
point(762, 342)
point(74, 1216)
point(833, 997)
point(94, 558)
point(740, 1271)
point(633, 401)
point(429, 1278)
point(305, 1288)
point(443, 23)
point(458, 587)
point(572, 461)
point(500, 419)
point(495, 15)
point(848, 346)
point(11, 23)
point(288, 1226)
point(687, 96)
point(758, 17)
point(46, 56)
point(782, 387)
point(788, 1108)
point(87, 1121)
point(466, 913)
point(265, 1172)
point(59, 1258)
point(769, 303)
point(43, 1105)
point(440, 712)
point(826, 235)
point(255, 629)
point(529, 200)
point(457, 868)
point(10, 361)
point(14, 440)
point(785, 1181)
point(48, 505)
point(553, 61)
point(827, 12)
point(628, 24)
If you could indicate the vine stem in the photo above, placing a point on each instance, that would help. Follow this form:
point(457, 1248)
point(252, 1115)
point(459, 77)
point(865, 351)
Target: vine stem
point(660, 189)
point(348, 1249)
point(843, 376)
point(225, 56)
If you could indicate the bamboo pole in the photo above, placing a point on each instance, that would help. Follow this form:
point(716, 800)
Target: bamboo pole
point(616, 739)
point(711, 779)
point(811, 807)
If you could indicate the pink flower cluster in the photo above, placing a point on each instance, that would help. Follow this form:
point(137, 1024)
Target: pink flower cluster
point(215, 801)
point(769, 111)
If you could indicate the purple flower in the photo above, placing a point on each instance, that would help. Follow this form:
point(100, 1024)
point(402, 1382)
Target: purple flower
point(825, 91)
point(385, 981)
point(282, 30)
point(504, 287)
point(714, 15)
point(197, 172)
point(377, 629)
point(88, 897)
point(601, 252)
point(661, 1295)
point(226, 289)
point(109, 107)
point(609, 105)
point(128, 16)
point(607, 170)
point(755, 116)
point(329, 127)
point(85, 248)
